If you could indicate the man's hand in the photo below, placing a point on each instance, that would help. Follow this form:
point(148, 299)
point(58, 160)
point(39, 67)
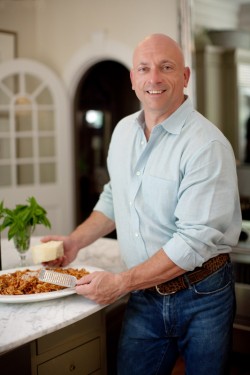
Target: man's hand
point(101, 286)
point(69, 248)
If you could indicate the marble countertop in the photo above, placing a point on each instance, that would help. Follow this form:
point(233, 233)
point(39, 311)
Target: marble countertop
point(23, 322)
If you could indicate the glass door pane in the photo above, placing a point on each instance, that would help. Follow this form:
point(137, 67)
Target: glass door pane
point(27, 131)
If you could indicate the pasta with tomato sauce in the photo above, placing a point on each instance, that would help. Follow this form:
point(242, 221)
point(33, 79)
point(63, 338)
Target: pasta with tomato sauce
point(26, 281)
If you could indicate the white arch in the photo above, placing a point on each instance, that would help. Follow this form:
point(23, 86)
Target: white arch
point(98, 50)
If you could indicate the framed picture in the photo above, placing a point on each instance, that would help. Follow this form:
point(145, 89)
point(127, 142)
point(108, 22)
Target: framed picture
point(8, 45)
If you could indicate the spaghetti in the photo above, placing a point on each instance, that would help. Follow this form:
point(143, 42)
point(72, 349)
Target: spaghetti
point(25, 282)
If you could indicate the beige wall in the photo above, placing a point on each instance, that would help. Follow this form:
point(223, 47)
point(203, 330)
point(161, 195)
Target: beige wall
point(52, 31)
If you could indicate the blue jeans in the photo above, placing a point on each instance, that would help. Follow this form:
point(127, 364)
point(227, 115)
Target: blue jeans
point(195, 323)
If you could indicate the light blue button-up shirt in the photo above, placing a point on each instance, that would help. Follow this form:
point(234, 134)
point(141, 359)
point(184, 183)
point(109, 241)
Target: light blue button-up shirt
point(178, 191)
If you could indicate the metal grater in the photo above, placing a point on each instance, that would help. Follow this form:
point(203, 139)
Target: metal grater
point(57, 278)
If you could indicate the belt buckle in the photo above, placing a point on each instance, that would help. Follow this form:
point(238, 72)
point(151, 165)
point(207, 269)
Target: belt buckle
point(162, 293)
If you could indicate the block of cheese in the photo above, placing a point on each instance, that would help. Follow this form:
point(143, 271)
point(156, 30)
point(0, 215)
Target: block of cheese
point(47, 251)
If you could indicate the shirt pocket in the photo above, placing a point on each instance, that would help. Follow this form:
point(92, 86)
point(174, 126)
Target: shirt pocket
point(160, 195)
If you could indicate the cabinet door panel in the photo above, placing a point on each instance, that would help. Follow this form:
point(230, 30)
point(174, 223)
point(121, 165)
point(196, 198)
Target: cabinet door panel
point(83, 360)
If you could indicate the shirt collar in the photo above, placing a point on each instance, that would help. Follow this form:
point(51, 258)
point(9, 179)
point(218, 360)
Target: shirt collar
point(176, 121)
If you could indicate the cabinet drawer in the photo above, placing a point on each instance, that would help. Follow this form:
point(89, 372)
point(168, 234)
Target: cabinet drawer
point(83, 360)
point(65, 336)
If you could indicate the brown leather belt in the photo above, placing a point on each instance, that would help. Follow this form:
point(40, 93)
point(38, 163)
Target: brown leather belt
point(198, 274)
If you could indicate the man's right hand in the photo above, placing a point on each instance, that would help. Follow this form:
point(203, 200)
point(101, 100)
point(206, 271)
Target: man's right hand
point(70, 252)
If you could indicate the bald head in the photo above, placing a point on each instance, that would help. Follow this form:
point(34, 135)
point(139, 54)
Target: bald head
point(159, 42)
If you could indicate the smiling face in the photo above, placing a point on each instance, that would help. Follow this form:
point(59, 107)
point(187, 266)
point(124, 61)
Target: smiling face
point(159, 76)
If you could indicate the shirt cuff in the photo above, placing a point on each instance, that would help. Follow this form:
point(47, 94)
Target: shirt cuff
point(105, 209)
point(182, 254)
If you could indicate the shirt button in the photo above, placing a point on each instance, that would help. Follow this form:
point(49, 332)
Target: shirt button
point(130, 203)
point(142, 143)
point(138, 173)
point(136, 234)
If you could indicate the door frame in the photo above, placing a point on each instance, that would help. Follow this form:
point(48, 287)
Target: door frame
point(98, 50)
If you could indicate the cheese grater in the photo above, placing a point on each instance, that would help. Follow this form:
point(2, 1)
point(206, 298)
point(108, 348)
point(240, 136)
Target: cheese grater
point(57, 278)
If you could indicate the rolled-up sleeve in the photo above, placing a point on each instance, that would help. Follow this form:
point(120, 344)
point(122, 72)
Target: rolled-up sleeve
point(207, 213)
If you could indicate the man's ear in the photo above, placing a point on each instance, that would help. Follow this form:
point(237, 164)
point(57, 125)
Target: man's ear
point(187, 74)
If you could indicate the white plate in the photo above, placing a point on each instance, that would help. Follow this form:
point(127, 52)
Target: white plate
point(24, 298)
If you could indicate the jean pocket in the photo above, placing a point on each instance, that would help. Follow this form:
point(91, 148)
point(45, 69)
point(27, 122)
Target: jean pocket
point(216, 282)
point(137, 294)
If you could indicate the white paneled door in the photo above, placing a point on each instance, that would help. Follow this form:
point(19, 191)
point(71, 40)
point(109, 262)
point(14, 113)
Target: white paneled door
point(36, 157)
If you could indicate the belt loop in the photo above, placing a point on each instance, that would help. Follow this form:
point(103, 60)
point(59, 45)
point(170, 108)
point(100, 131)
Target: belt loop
point(186, 279)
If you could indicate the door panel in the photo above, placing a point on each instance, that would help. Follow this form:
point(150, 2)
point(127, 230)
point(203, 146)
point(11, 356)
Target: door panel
point(36, 141)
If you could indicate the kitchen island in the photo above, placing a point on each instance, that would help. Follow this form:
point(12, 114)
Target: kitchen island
point(69, 335)
point(68, 331)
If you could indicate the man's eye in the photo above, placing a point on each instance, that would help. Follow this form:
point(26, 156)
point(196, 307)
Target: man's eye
point(166, 67)
point(142, 69)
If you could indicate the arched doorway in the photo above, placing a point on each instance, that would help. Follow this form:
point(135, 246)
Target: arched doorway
point(103, 96)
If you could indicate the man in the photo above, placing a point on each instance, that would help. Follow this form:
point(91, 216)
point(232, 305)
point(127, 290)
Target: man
point(173, 199)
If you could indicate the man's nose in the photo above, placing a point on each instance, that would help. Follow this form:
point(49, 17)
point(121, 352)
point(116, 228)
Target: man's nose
point(155, 76)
